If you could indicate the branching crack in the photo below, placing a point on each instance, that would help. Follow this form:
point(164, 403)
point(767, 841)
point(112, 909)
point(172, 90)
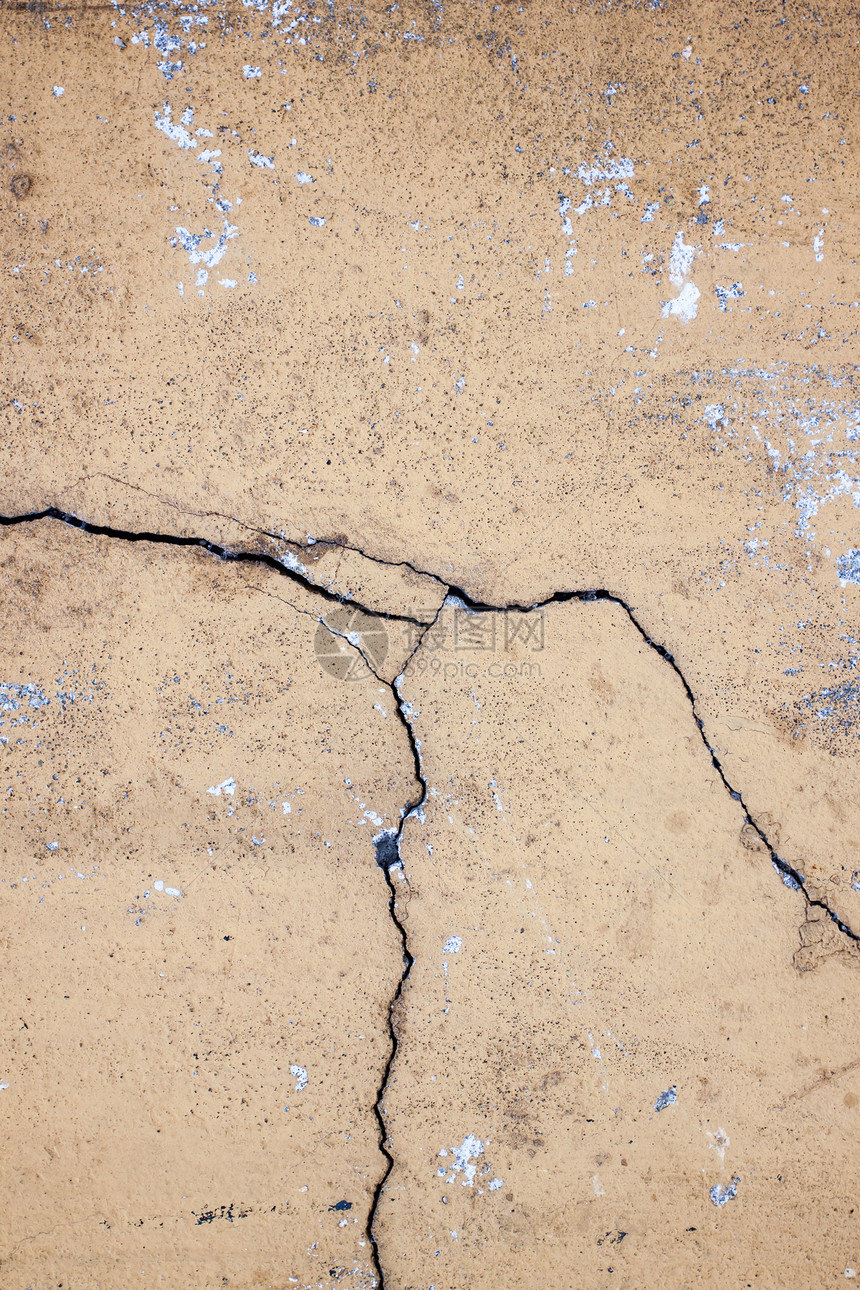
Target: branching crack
point(387, 843)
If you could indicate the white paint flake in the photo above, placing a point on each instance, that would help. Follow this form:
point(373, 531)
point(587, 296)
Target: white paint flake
point(686, 305)
point(300, 1075)
point(498, 801)
point(848, 567)
point(228, 788)
point(720, 1195)
point(681, 259)
point(168, 891)
point(605, 169)
point(469, 1150)
point(172, 129)
point(190, 243)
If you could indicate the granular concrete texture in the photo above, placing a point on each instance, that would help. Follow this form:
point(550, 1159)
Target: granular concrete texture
point(429, 696)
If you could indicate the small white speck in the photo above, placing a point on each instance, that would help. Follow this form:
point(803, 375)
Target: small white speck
point(59, 90)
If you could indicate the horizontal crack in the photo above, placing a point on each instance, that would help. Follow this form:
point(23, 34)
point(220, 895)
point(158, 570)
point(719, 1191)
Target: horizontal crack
point(790, 876)
point(221, 552)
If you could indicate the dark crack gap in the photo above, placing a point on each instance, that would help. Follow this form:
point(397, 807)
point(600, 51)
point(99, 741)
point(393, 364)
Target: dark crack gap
point(220, 552)
point(790, 876)
point(388, 858)
point(387, 844)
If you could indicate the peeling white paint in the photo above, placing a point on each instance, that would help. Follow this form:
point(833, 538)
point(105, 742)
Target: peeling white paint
point(469, 1150)
point(172, 129)
point(190, 243)
point(228, 787)
point(681, 259)
point(686, 305)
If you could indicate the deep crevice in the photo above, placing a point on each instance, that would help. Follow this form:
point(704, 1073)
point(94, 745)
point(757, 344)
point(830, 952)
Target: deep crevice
point(213, 548)
point(387, 843)
point(387, 851)
point(387, 846)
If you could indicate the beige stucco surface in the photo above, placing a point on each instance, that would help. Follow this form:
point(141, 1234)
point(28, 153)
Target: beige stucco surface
point(438, 309)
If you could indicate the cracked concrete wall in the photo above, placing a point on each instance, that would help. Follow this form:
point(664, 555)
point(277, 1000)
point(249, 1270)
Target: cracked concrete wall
point(402, 279)
point(591, 932)
point(432, 307)
point(196, 953)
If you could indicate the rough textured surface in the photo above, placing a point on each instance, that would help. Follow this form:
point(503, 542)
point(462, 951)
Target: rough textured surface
point(197, 952)
point(434, 308)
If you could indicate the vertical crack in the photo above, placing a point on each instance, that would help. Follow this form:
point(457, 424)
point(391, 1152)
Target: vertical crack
point(388, 858)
